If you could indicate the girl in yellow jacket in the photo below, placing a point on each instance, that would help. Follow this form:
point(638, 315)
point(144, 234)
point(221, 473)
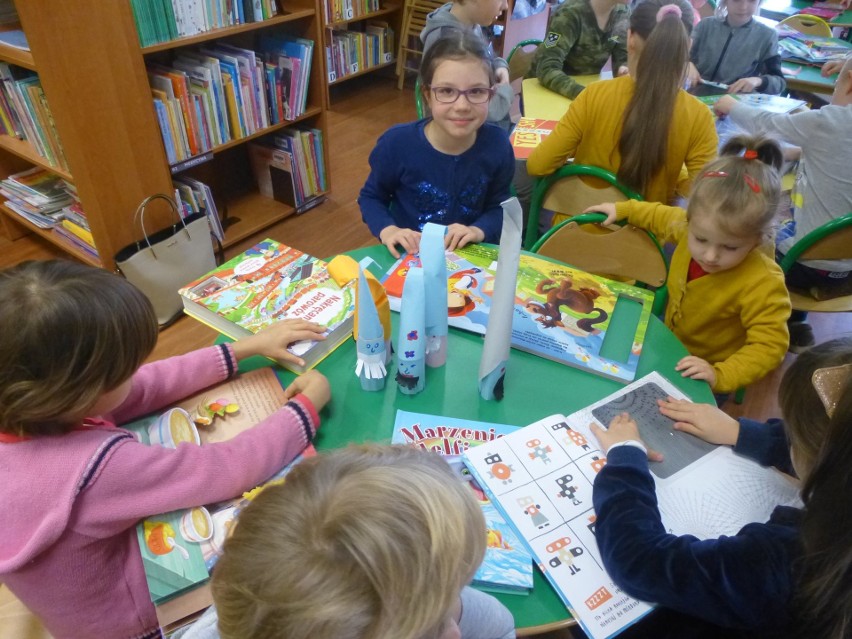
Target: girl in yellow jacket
point(728, 303)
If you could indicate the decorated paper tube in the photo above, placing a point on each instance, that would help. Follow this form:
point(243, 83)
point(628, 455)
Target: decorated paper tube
point(498, 337)
point(411, 342)
point(369, 339)
point(435, 283)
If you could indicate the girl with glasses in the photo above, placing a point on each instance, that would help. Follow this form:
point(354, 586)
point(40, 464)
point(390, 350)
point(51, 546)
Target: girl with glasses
point(452, 168)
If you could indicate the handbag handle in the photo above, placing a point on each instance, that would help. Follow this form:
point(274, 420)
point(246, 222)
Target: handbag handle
point(140, 215)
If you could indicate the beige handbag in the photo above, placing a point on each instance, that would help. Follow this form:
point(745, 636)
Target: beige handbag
point(165, 261)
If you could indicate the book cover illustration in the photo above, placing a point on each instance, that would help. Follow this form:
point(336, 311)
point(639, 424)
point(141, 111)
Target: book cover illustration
point(179, 548)
point(271, 282)
point(561, 312)
point(541, 479)
point(528, 134)
point(507, 566)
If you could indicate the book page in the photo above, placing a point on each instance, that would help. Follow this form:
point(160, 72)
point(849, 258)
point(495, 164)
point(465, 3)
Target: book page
point(541, 478)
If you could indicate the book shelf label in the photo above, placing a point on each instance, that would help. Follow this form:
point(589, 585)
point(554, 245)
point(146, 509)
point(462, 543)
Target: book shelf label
point(191, 162)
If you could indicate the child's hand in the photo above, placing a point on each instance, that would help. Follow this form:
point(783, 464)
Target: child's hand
point(607, 208)
point(745, 85)
point(692, 75)
point(623, 70)
point(502, 75)
point(621, 429)
point(724, 105)
point(391, 236)
point(312, 385)
point(831, 67)
point(459, 235)
point(272, 341)
point(705, 421)
point(697, 368)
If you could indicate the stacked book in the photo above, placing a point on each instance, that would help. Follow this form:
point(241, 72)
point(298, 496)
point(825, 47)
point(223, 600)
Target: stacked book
point(290, 168)
point(221, 93)
point(359, 47)
point(164, 20)
point(195, 196)
point(24, 113)
point(809, 49)
point(343, 10)
point(36, 195)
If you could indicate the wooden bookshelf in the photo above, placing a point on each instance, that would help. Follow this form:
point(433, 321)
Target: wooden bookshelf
point(108, 127)
point(391, 12)
point(17, 226)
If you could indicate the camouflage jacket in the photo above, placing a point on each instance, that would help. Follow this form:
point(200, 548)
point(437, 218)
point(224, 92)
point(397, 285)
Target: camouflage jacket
point(574, 45)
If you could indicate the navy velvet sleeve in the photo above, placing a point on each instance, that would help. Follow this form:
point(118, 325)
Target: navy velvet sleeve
point(499, 188)
point(765, 443)
point(743, 581)
point(377, 193)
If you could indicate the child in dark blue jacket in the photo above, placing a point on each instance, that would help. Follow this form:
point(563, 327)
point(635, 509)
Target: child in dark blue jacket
point(790, 576)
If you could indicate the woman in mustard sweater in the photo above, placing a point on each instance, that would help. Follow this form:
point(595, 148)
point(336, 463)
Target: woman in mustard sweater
point(642, 127)
point(728, 303)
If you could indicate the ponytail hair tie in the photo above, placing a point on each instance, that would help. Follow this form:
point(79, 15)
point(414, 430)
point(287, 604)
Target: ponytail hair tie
point(669, 10)
point(749, 154)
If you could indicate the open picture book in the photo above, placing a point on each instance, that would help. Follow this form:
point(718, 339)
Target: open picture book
point(507, 566)
point(541, 476)
point(561, 312)
point(180, 547)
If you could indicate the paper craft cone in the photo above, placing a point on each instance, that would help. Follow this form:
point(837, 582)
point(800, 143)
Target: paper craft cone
point(411, 342)
point(435, 283)
point(369, 339)
point(495, 351)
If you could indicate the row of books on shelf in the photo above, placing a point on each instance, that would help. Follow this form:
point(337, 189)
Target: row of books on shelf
point(343, 10)
point(290, 168)
point(164, 20)
point(220, 93)
point(359, 47)
point(24, 113)
point(809, 49)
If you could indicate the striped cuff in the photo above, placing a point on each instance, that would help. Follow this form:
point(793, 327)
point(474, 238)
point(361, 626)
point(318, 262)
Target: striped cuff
point(307, 414)
point(229, 360)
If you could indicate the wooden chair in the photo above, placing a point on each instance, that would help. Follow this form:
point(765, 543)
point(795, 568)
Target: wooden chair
point(413, 21)
point(812, 25)
point(625, 254)
point(569, 191)
point(520, 59)
point(831, 241)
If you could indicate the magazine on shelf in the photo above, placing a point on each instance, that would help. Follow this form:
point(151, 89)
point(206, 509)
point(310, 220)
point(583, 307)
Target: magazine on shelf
point(507, 566)
point(561, 312)
point(540, 478)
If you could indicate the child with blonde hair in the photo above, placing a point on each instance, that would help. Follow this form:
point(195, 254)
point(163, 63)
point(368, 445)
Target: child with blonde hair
point(643, 126)
point(728, 303)
point(788, 577)
point(74, 485)
point(366, 542)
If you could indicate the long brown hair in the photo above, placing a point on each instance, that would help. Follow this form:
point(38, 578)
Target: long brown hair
point(659, 75)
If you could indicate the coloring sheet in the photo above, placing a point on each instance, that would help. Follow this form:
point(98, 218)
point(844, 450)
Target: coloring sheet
point(541, 477)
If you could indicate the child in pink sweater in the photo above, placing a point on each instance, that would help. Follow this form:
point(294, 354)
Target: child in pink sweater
point(72, 484)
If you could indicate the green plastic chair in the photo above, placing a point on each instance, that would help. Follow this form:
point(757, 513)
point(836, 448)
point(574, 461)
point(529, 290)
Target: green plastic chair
point(568, 195)
point(626, 254)
point(418, 99)
point(520, 60)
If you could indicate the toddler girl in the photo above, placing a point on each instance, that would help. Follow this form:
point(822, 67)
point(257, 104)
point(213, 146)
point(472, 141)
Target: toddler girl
point(72, 484)
point(452, 168)
point(733, 48)
point(727, 300)
point(788, 577)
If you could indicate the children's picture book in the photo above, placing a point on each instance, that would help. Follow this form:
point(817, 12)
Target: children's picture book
point(507, 566)
point(540, 478)
point(180, 547)
point(764, 101)
point(271, 282)
point(561, 312)
point(528, 134)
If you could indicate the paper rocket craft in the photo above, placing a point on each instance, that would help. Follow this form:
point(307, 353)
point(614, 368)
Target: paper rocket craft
point(435, 284)
point(498, 338)
point(372, 321)
point(411, 341)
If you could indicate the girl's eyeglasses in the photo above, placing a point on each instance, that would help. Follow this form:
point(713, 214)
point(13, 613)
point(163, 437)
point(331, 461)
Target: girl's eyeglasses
point(476, 95)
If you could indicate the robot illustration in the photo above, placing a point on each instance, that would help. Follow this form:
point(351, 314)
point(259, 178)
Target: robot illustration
point(539, 451)
point(532, 509)
point(564, 554)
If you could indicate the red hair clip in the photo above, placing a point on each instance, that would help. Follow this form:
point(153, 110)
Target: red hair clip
point(749, 154)
point(752, 183)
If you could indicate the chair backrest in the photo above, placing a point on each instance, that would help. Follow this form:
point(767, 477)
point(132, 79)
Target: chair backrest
point(811, 25)
point(625, 254)
point(521, 57)
point(413, 21)
point(569, 191)
point(831, 241)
